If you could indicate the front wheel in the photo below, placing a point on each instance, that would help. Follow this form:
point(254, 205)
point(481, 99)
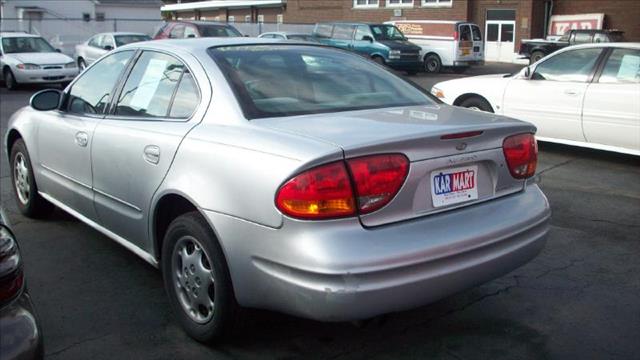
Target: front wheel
point(197, 279)
point(10, 80)
point(82, 64)
point(379, 60)
point(477, 103)
point(29, 201)
point(432, 63)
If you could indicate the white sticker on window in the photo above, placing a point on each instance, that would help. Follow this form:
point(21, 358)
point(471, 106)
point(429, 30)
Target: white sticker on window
point(629, 68)
point(148, 84)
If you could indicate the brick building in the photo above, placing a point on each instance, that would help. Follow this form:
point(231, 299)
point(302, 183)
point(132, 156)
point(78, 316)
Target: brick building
point(504, 22)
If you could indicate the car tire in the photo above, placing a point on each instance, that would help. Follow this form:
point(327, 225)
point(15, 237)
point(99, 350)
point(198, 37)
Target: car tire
point(460, 69)
point(10, 80)
point(432, 63)
point(379, 60)
point(535, 56)
point(25, 189)
point(197, 280)
point(477, 103)
point(82, 64)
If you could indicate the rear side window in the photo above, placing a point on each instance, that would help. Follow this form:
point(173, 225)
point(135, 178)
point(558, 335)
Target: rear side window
point(218, 31)
point(151, 87)
point(186, 99)
point(177, 32)
point(343, 32)
point(582, 38)
point(91, 94)
point(324, 30)
point(95, 41)
point(622, 67)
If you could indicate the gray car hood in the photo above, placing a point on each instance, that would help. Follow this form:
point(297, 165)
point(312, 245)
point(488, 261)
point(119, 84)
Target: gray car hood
point(396, 128)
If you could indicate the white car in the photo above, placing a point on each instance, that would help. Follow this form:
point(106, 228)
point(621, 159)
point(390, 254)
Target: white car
point(288, 36)
point(100, 44)
point(585, 95)
point(26, 58)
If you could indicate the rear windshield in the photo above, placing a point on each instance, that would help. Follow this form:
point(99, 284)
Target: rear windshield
point(218, 31)
point(286, 80)
point(386, 32)
point(477, 36)
point(25, 44)
point(128, 39)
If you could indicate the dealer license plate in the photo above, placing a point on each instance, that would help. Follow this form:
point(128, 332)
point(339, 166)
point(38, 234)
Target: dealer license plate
point(453, 186)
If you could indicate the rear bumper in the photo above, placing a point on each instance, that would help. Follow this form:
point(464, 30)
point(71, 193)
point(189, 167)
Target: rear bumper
point(338, 270)
point(468, 62)
point(21, 335)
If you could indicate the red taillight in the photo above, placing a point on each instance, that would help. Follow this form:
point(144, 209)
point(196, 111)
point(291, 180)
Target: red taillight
point(462, 135)
point(326, 191)
point(377, 179)
point(320, 193)
point(521, 153)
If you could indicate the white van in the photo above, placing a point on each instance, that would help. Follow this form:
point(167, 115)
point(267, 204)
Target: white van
point(455, 44)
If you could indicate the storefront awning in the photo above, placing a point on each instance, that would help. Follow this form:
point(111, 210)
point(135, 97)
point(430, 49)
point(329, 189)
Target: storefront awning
point(221, 4)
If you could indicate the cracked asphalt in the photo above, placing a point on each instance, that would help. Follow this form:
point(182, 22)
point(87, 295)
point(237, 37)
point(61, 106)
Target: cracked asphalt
point(579, 299)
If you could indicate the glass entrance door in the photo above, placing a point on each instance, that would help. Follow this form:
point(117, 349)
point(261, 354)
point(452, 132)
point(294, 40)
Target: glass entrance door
point(500, 35)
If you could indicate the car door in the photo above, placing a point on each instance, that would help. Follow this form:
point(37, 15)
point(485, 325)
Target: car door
point(551, 98)
point(134, 145)
point(64, 137)
point(611, 111)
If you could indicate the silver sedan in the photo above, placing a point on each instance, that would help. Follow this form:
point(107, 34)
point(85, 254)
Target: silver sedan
point(290, 177)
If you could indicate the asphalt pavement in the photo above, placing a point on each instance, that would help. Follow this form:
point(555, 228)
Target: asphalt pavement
point(579, 299)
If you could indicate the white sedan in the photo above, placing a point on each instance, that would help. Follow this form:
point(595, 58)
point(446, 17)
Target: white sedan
point(586, 95)
point(26, 58)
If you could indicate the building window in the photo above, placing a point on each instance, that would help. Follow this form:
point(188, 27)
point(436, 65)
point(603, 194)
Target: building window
point(231, 19)
point(86, 17)
point(399, 3)
point(365, 4)
point(247, 18)
point(100, 16)
point(437, 3)
point(279, 18)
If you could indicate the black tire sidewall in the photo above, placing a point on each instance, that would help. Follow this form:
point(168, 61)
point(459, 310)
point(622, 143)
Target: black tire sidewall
point(28, 209)
point(537, 55)
point(477, 102)
point(437, 62)
point(10, 80)
point(193, 224)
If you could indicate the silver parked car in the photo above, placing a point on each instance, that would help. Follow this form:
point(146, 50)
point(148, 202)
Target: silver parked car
point(282, 35)
point(282, 176)
point(100, 44)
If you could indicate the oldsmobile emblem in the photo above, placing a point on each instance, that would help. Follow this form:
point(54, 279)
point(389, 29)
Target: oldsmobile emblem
point(461, 146)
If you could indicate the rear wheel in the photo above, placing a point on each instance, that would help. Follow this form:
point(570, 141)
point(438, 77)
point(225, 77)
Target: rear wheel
point(10, 80)
point(29, 202)
point(432, 63)
point(477, 103)
point(537, 55)
point(197, 279)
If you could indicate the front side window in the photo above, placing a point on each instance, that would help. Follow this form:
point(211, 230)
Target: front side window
point(108, 41)
point(622, 67)
point(150, 87)
point(91, 93)
point(386, 32)
point(575, 66)
point(14, 45)
point(190, 32)
point(362, 31)
point(286, 80)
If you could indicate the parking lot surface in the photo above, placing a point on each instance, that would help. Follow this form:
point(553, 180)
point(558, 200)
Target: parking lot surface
point(579, 299)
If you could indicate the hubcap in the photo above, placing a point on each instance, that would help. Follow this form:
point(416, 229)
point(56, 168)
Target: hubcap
point(21, 179)
point(193, 280)
point(474, 108)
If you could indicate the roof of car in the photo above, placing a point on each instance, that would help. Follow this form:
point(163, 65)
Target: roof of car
point(117, 33)
point(193, 44)
point(16, 34)
point(285, 33)
point(624, 45)
point(197, 22)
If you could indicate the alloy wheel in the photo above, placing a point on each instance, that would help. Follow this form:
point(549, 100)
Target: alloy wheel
point(21, 178)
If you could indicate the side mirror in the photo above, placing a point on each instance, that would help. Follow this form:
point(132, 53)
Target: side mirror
point(191, 35)
point(367, 38)
point(108, 47)
point(46, 100)
point(58, 50)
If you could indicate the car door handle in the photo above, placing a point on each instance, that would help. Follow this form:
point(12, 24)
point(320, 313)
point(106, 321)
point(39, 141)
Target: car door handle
point(152, 154)
point(571, 92)
point(82, 139)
